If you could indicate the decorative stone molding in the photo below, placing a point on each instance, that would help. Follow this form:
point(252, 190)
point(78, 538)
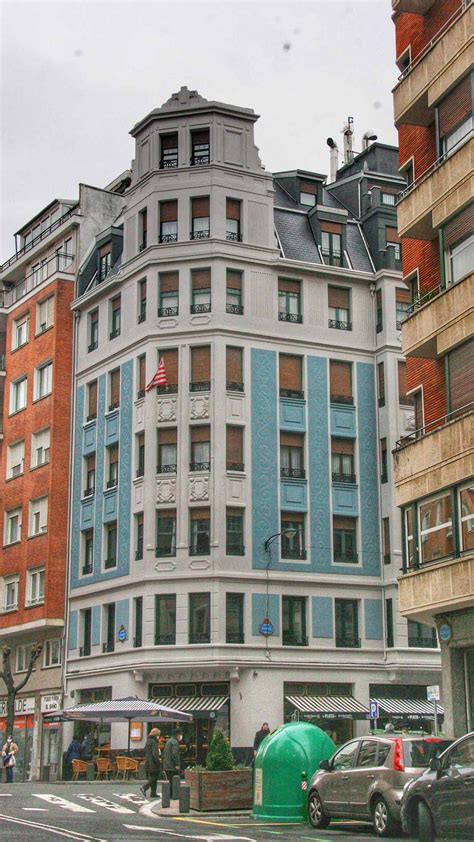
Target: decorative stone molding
point(165, 566)
point(199, 563)
point(198, 488)
point(199, 407)
point(166, 409)
point(166, 491)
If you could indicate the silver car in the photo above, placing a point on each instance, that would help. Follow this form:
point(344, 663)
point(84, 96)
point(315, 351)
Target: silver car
point(365, 778)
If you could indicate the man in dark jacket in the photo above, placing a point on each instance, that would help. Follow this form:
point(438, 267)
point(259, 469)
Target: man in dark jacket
point(152, 762)
point(171, 756)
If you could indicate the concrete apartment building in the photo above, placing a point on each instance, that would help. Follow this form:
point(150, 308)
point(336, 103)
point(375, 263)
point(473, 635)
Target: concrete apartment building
point(433, 102)
point(36, 293)
point(252, 492)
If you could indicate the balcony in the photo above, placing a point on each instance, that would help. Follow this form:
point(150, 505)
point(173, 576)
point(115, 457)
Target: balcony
point(292, 639)
point(234, 637)
point(440, 192)
point(170, 389)
point(234, 386)
point(233, 236)
point(201, 308)
point(200, 235)
point(199, 466)
point(42, 236)
point(349, 479)
point(59, 263)
point(415, 7)
point(439, 320)
point(200, 386)
point(435, 456)
point(295, 318)
point(292, 473)
point(165, 639)
point(435, 70)
point(235, 309)
point(347, 642)
point(338, 325)
point(436, 588)
point(163, 312)
point(166, 469)
point(168, 238)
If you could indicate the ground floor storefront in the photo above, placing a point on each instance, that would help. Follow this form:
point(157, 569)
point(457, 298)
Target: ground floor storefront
point(456, 633)
point(38, 740)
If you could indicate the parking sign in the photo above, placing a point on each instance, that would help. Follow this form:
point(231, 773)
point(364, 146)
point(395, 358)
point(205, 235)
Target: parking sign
point(374, 710)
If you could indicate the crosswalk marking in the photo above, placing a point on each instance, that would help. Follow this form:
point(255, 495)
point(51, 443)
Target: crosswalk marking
point(132, 797)
point(58, 831)
point(104, 802)
point(64, 803)
point(182, 836)
point(35, 809)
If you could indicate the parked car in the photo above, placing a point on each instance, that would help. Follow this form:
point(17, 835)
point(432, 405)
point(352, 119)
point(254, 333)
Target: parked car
point(441, 801)
point(365, 778)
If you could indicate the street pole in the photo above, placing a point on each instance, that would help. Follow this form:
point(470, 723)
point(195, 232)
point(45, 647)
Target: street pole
point(435, 717)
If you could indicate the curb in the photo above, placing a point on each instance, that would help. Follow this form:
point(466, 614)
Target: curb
point(173, 810)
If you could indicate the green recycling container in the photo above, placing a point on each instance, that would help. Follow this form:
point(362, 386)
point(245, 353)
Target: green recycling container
point(284, 766)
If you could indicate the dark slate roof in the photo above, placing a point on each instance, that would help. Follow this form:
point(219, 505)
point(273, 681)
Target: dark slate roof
point(296, 236)
point(357, 249)
point(283, 199)
point(331, 201)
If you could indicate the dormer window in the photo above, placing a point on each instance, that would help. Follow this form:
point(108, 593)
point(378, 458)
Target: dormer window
point(169, 151)
point(105, 261)
point(200, 150)
point(308, 193)
point(331, 243)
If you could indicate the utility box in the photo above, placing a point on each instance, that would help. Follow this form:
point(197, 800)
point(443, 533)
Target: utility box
point(284, 766)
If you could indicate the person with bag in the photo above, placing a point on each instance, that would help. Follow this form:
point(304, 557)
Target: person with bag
point(152, 762)
point(8, 756)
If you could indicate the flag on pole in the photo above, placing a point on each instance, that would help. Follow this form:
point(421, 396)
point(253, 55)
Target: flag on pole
point(159, 378)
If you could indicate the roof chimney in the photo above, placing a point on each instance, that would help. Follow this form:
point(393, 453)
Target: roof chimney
point(334, 159)
point(368, 138)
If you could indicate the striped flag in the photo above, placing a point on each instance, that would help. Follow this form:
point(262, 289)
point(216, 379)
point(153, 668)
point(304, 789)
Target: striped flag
point(159, 379)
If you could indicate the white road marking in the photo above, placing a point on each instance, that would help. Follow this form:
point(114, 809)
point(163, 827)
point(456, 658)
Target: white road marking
point(147, 810)
point(132, 797)
point(35, 809)
point(104, 802)
point(62, 802)
point(181, 835)
point(59, 831)
point(6, 794)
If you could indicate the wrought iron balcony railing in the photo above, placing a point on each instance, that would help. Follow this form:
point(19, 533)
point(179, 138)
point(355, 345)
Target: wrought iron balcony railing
point(201, 308)
point(339, 325)
point(234, 386)
point(235, 309)
point(36, 240)
point(170, 389)
point(166, 469)
point(200, 235)
point(349, 478)
point(234, 637)
point(200, 160)
point(233, 236)
point(200, 637)
point(421, 642)
point(347, 642)
point(88, 492)
point(168, 238)
point(167, 311)
point(200, 386)
point(293, 473)
point(140, 394)
point(342, 399)
point(169, 163)
point(199, 466)
point(292, 639)
point(165, 639)
point(296, 318)
point(296, 394)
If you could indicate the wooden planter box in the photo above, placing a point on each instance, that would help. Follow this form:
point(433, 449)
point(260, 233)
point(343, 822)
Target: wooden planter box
point(220, 790)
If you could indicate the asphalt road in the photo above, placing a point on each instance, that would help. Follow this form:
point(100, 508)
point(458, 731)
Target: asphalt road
point(115, 812)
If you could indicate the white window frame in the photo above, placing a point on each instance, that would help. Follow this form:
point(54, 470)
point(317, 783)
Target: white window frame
point(464, 245)
point(18, 324)
point(35, 582)
point(391, 198)
point(308, 199)
point(464, 518)
point(9, 516)
point(51, 647)
point(21, 662)
point(41, 390)
point(15, 459)
point(44, 314)
point(38, 512)
point(40, 440)
point(17, 388)
point(7, 582)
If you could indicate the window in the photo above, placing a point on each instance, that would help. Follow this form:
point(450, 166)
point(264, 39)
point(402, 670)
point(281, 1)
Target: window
point(340, 382)
point(383, 461)
point(289, 301)
point(169, 294)
point(234, 448)
point(137, 621)
point(86, 624)
point(200, 219)
point(402, 304)
point(345, 540)
point(139, 536)
point(291, 376)
point(308, 193)
point(105, 261)
point(170, 359)
point(460, 380)
point(381, 383)
point(386, 539)
point(88, 552)
point(417, 398)
point(200, 531)
point(165, 533)
point(165, 620)
point(38, 519)
point(342, 460)
point(292, 456)
point(393, 243)
point(200, 152)
point(387, 198)
point(293, 536)
point(52, 653)
point(20, 331)
point(234, 618)
point(421, 636)
point(35, 586)
point(141, 376)
point(40, 447)
point(114, 389)
point(347, 623)
point(113, 468)
point(109, 628)
point(234, 369)
point(141, 301)
point(90, 475)
point(18, 395)
point(92, 400)
point(10, 593)
point(115, 317)
point(169, 151)
point(339, 302)
point(43, 382)
point(167, 451)
point(368, 755)
point(110, 545)
point(200, 369)
point(15, 459)
point(461, 259)
point(44, 314)
point(12, 526)
point(331, 243)
point(234, 292)
point(199, 617)
point(403, 398)
point(169, 221)
point(294, 621)
point(201, 291)
point(140, 439)
point(455, 115)
point(142, 229)
point(345, 758)
point(235, 532)
point(232, 226)
point(379, 311)
point(389, 623)
point(200, 448)
point(23, 655)
point(466, 509)
point(436, 527)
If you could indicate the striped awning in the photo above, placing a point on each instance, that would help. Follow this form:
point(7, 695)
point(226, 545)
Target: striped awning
point(409, 708)
point(329, 707)
point(192, 704)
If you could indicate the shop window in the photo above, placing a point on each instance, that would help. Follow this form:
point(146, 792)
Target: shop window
point(235, 531)
point(340, 382)
point(166, 533)
point(201, 291)
point(347, 623)
point(200, 369)
point(339, 302)
point(293, 536)
point(199, 617)
point(167, 451)
point(234, 619)
point(165, 622)
point(342, 460)
point(289, 301)
point(292, 456)
point(168, 294)
point(291, 376)
point(234, 448)
point(234, 292)
point(345, 539)
point(200, 528)
point(168, 221)
point(294, 621)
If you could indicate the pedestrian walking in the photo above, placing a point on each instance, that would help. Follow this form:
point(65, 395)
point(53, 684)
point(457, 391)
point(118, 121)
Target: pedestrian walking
point(152, 762)
point(172, 756)
point(260, 736)
point(8, 756)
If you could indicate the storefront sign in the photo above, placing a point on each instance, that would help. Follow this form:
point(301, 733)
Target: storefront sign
point(50, 704)
point(26, 705)
point(18, 723)
point(136, 731)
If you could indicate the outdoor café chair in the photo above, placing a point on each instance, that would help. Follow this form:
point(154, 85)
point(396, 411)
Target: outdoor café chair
point(103, 768)
point(125, 765)
point(79, 767)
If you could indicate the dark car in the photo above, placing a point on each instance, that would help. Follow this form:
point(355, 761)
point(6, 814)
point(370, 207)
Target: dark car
point(440, 803)
point(365, 778)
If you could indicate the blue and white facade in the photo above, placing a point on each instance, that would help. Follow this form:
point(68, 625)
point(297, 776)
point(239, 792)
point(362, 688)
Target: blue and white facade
point(154, 615)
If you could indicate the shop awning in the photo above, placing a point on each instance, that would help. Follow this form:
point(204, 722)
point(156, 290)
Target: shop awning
point(329, 707)
point(193, 704)
point(408, 708)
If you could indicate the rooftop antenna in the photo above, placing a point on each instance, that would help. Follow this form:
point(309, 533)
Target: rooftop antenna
point(348, 132)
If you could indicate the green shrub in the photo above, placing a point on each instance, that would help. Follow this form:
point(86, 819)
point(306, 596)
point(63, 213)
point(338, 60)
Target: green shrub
point(219, 756)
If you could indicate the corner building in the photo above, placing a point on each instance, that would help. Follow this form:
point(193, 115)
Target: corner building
point(433, 102)
point(285, 393)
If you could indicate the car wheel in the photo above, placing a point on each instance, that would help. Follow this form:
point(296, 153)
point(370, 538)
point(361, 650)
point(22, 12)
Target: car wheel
point(316, 812)
point(426, 828)
point(384, 825)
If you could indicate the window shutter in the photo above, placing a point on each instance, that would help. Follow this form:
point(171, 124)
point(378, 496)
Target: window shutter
point(233, 364)
point(168, 435)
point(461, 226)
point(170, 359)
point(200, 207)
point(93, 398)
point(169, 281)
point(143, 290)
point(115, 386)
point(386, 535)
point(381, 378)
point(200, 136)
point(402, 296)
point(285, 285)
point(201, 364)
point(391, 235)
point(116, 304)
point(105, 249)
point(291, 440)
point(234, 444)
point(344, 446)
point(141, 372)
point(232, 209)
point(169, 211)
point(309, 187)
point(201, 433)
point(290, 372)
point(331, 227)
point(344, 523)
point(340, 378)
point(234, 279)
point(456, 107)
point(201, 279)
point(169, 141)
point(339, 297)
point(291, 517)
point(461, 388)
point(200, 514)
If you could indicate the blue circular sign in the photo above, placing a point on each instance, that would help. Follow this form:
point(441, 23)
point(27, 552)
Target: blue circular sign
point(266, 627)
point(445, 632)
point(122, 634)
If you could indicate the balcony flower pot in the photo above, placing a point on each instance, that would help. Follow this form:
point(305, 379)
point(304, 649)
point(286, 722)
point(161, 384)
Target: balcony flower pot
point(220, 786)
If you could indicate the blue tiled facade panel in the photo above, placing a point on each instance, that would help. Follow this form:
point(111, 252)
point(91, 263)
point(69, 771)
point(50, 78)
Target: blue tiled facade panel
point(322, 616)
point(265, 480)
point(373, 619)
point(112, 428)
point(293, 496)
point(293, 415)
point(110, 506)
point(343, 421)
point(259, 611)
point(345, 500)
point(89, 437)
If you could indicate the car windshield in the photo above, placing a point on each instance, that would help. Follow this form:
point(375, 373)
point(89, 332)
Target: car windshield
point(418, 753)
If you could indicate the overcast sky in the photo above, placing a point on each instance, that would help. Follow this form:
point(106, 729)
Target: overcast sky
point(76, 76)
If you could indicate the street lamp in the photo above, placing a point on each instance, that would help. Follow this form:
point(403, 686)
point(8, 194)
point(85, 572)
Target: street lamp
point(266, 628)
point(290, 533)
